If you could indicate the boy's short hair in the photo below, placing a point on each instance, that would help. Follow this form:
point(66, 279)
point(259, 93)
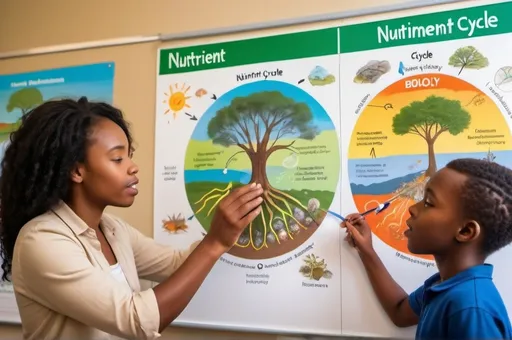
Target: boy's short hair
point(487, 199)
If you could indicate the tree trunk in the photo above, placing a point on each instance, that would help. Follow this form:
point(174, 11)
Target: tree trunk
point(463, 65)
point(259, 169)
point(432, 165)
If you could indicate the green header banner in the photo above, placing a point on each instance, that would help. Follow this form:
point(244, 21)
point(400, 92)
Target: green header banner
point(427, 28)
point(243, 52)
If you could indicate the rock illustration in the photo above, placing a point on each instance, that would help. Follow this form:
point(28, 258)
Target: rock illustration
point(372, 71)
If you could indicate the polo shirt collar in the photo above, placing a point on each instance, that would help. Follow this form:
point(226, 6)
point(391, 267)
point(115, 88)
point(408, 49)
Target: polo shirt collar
point(483, 271)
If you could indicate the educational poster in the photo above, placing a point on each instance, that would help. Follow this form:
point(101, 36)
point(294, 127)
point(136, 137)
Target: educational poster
point(417, 92)
point(19, 93)
point(261, 110)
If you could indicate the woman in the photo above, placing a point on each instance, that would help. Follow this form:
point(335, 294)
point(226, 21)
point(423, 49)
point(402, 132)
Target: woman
point(74, 268)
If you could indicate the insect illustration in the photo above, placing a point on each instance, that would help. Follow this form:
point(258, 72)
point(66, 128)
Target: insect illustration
point(314, 268)
point(175, 224)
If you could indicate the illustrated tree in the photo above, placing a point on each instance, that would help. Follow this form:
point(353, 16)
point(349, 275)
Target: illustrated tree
point(24, 100)
point(468, 57)
point(257, 125)
point(430, 118)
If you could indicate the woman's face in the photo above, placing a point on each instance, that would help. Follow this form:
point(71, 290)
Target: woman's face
point(108, 175)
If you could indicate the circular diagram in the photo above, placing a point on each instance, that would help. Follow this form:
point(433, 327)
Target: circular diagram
point(406, 133)
point(275, 134)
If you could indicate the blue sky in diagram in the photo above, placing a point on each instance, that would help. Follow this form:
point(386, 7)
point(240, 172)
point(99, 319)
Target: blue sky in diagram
point(320, 117)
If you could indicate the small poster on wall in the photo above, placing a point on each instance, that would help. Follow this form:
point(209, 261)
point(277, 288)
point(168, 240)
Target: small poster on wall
point(22, 92)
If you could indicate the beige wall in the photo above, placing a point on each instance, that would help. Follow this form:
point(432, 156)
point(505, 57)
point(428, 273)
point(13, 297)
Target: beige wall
point(26, 24)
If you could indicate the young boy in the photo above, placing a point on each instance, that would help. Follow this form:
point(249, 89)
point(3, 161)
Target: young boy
point(465, 215)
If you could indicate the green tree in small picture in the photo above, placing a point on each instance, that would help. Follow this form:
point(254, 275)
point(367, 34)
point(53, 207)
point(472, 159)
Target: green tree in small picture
point(468, 57)
point(430, 118)
point(24, 100)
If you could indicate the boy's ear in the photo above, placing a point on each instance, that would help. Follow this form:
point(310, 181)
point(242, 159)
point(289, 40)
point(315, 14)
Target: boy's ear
point(469, 232)
point(77, 174)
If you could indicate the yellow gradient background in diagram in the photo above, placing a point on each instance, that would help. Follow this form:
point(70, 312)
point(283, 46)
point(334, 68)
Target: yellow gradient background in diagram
point(486, 115)
point(389, 225)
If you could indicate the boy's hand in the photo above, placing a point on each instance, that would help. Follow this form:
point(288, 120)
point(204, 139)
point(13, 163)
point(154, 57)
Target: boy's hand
point(359, 234)
point(391, 296)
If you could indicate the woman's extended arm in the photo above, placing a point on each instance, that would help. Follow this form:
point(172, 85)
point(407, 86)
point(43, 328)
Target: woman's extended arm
point(50, 267)
point(233, 214)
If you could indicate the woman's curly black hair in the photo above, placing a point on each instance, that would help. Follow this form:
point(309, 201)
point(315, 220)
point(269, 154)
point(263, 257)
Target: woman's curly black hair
point(38, 162)
point(487, 198)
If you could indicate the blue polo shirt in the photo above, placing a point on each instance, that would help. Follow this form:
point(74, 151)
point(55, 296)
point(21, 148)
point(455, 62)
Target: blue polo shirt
point(466, 306)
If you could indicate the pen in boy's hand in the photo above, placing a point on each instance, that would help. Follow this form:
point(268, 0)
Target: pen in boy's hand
point(352, 220)
point(336, 215)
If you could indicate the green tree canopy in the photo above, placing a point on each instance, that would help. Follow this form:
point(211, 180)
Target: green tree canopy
point(24, 99)
point(431, 117)
point(250, 122)
point(468, 57)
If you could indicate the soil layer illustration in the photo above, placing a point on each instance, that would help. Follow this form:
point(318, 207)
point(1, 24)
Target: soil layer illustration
point(274, 134)
point(396, 152)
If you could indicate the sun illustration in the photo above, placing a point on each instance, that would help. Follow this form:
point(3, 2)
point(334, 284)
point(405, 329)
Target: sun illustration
point(177, 99)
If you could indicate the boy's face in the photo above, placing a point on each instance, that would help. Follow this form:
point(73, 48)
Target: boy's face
point(435, 221)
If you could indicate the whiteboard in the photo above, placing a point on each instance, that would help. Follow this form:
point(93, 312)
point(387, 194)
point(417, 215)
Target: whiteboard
point(291, 271)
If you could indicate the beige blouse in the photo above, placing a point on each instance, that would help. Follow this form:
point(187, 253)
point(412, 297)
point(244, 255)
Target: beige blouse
point(63, 283)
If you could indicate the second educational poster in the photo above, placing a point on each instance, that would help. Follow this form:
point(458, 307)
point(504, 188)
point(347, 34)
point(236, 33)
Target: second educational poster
point(21, 92)
point(259, 110)
point(417, 92)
